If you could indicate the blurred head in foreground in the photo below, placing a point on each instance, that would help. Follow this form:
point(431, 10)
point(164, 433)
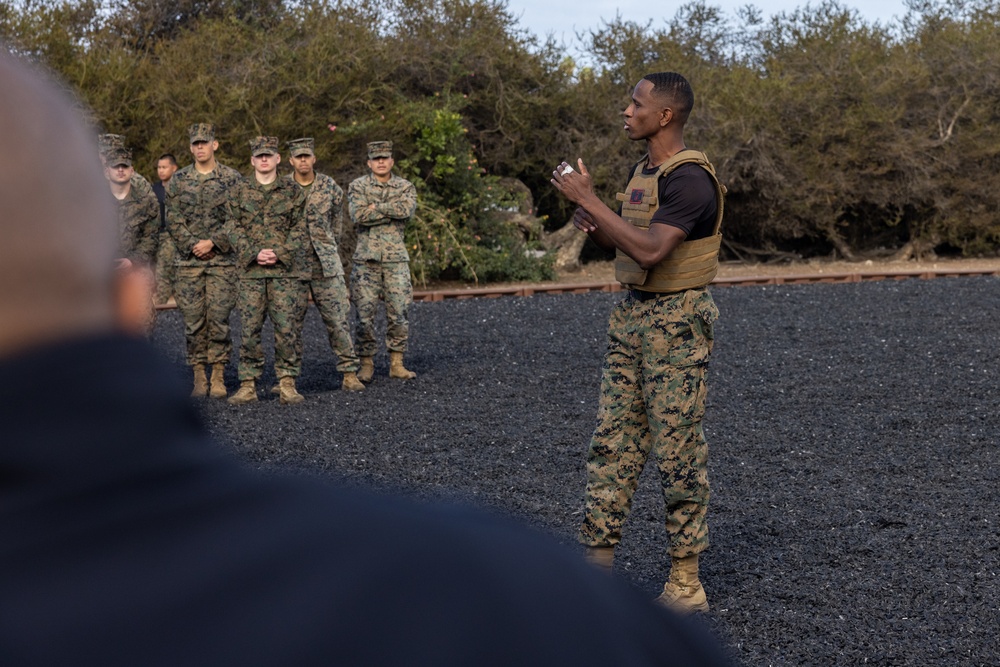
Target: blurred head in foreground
point(58, 279)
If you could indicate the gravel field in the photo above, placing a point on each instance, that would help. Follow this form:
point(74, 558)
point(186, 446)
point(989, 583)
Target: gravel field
point(854, 462)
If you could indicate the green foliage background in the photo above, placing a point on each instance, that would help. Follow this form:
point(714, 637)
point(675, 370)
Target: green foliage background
point(833, 135)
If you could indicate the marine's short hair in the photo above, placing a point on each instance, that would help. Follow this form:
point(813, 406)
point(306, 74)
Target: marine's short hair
point(168, 156)
point(674, 87)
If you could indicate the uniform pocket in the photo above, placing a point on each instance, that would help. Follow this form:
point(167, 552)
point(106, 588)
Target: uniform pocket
point(693, 328)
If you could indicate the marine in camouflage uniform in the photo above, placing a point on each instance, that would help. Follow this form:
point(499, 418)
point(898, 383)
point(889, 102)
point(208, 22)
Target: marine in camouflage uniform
point(107, 142)
point(271, 241)
point(205, 281)
point(166, 256)
point(138, 213)
point(138, 222)
point(324, 210)
point(380, 204)
point(660, 335)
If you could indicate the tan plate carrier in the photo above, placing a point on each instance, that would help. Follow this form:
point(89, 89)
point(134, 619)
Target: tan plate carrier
point(692, 263)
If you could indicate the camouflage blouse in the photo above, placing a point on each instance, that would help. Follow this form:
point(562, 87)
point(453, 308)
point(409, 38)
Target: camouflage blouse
point(381, 228)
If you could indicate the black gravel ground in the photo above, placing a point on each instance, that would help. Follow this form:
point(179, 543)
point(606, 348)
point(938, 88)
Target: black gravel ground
point(854, 460)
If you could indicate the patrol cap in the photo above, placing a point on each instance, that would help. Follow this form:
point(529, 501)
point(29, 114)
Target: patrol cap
point(201, 132)
point(379, 149)
point(264, 146)
point(106, 142)
point(117, 156)
point(303, 146)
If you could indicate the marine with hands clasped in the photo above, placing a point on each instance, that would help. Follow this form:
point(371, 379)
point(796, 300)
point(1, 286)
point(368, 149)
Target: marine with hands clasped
point(205, 278)
point(324, 215)
point(660, 335)
point(138, 226)
point(380, 204)
point(269, 234)
point(138, 212)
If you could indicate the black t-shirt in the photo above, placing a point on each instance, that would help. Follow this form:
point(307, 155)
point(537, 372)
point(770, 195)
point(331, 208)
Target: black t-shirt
point(161, 196)
point(687, 200)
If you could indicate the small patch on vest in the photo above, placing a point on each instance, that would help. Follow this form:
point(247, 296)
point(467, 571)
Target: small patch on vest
point(636, 196)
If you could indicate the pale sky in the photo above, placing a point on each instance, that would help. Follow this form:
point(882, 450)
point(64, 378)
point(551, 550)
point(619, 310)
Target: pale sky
point(563, 18)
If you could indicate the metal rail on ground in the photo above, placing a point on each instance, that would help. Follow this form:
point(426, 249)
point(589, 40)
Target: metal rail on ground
point(734, 281)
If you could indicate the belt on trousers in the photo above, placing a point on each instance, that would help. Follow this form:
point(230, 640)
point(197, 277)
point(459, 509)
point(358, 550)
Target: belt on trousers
point(640, 295)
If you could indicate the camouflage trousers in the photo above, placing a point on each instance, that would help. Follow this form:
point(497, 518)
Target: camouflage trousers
point(284, 300)
point(334, 306)
point(652, 400)
point(389, 281)
point(206, 296)
point(166, 256)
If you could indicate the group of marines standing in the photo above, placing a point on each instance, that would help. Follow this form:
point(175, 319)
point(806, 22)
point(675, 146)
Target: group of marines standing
point(263, 244)
point(274, 237)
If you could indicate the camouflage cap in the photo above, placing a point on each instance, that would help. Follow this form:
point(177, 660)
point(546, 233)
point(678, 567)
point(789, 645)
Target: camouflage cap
point(264, 145)
point(118, 155)
point(201, 132)
point(106, 142)
point(303, 146)
point(379, 149)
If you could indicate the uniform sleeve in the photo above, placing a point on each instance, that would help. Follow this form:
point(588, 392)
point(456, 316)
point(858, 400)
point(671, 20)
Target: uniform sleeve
point(317, 210)
point(294, 238)
point(149, 229)
point(357, 201)
point(336, 212)
point(235, 232)
point(224, 239)
point(176, 225)
point(402, 205)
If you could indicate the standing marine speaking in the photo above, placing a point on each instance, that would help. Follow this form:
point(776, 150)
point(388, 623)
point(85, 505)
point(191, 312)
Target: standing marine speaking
point(666, 240)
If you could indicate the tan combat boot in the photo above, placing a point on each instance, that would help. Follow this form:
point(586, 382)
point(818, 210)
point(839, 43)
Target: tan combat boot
point(602, 557)
point(367, 369)
point(287, 394)
point(247, 393)
point(218, 389)
point(200, 382)
point(351, 382)
point(396, 368)
point(683, 592)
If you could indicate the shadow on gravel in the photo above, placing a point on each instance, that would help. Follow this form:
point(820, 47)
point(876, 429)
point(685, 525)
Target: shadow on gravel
point(852, 429)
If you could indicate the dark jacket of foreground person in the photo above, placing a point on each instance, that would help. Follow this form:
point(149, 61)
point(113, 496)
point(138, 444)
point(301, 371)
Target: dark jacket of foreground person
point(128, 538)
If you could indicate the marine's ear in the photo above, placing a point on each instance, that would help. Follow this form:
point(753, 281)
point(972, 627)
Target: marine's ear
point(666, 116)
point(133, 298)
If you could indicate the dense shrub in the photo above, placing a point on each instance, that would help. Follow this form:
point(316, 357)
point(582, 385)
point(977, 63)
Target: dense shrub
point(833, 135)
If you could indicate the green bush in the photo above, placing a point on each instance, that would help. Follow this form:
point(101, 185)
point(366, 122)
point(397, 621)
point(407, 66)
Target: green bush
point(833, 135)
